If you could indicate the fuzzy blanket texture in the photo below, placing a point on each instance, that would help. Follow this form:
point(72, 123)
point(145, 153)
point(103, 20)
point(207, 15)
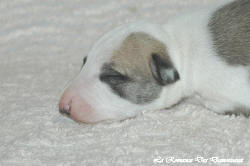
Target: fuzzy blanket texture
point(42, 44)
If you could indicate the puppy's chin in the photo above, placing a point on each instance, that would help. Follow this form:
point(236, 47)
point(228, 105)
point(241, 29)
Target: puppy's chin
point(95, 118)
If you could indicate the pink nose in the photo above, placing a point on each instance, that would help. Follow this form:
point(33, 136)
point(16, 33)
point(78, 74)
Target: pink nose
point(73, 105)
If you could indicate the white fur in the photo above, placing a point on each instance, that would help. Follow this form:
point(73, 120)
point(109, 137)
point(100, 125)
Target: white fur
point(106, 104)
point(222, 87)
point(219, 86)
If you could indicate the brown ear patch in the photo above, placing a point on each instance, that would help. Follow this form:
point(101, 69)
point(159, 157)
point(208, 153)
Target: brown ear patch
point(133, 56)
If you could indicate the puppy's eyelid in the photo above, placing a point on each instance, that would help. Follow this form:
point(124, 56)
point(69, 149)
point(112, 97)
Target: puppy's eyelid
point(111, 75)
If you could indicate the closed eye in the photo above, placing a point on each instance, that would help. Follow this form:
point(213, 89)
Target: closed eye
point(111, 76)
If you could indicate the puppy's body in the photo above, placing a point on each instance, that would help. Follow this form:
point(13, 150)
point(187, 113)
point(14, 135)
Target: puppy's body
point(214, 55)
point(142, 66)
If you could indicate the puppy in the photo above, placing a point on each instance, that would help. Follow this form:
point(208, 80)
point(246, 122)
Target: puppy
point(143, 66)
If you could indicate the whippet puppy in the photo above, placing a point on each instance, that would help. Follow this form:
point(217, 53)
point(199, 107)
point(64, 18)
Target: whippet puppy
point(144, 66)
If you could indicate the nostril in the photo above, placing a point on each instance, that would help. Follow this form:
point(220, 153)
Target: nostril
point(65, 110)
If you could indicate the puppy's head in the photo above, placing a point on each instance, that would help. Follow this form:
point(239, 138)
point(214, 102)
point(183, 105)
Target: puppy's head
point(127, 71)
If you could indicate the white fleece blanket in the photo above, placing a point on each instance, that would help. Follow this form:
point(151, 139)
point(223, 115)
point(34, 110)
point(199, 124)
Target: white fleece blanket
point(42, 43)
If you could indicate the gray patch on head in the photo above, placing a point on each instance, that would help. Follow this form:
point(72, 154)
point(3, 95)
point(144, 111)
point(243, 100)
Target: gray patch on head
point(230, 27)
point(141, 91)
point(132, 60)
point(138, 90)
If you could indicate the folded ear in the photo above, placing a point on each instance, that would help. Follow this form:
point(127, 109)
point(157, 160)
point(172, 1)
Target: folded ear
point(163, 70)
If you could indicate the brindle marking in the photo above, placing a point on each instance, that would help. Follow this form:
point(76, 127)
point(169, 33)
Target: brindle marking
point(230, 27)
point(129, 74)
